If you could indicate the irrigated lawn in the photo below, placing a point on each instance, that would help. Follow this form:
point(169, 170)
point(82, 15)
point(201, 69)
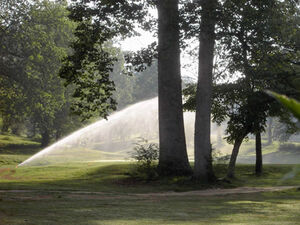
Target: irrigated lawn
point(280, 208)
point(53, 201)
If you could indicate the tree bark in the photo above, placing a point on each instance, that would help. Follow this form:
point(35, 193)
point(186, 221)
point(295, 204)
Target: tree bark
point(173, 158)
point(6, 123)
point(45, 138)
point(270, 134)
point(203, 159)
point(58, 135)
point(4, 128)
point(16, 129)
point(235, 152)
point(258, 164)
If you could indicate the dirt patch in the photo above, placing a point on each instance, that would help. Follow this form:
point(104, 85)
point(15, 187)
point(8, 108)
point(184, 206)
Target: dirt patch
point(7, 173)
point(93, 196)
point(219, 191)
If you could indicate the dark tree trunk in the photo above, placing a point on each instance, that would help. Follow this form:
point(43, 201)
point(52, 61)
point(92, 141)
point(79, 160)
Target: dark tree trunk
point(58, 135)
point(5, 124)
point(203, 159)
point(45, 139)
point(235, 152)
point(258, 164)
point(4, 128)
point(270, 134)
point(173, 158)
point(16, 128)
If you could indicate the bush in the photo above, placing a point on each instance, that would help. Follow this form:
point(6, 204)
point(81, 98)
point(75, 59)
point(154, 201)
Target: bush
point(146, 155)
point(218, 157)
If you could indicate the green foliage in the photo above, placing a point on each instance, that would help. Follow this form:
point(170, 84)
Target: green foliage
point(35, 40)
point(89, 66)
point(137, 87)
point(291, 104)
point(146, 155)
point(219, 158)
point(263, 60)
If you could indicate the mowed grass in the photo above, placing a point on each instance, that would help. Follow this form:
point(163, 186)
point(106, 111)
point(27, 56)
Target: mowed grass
point(114, 177)
point(50, 198)
point(15, 149)
point(272, 208)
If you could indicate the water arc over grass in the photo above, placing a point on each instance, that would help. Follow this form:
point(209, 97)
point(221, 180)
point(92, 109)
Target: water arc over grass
point(110, 139)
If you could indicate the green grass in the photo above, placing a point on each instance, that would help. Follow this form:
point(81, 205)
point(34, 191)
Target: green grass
point(15, 145)
point(7, 141)
point(113, 177)
point(43, 208)
point(53, 202)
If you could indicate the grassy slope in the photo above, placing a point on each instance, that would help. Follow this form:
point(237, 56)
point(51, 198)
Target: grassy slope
point(49, 208)
point(271, 153)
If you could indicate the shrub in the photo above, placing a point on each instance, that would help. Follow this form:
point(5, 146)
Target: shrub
point(218, 157)
point(146, 155)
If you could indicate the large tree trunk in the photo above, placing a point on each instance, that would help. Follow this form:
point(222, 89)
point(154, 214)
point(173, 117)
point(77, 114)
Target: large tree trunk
point(203, 160)
point(234, 154)
point(258, 164)
point(173, 158)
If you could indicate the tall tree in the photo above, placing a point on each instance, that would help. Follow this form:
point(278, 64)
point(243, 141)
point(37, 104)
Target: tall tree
point(38, 43)
point(256, 48)
point(203, 162)
point(108, 19)
point(173, 158)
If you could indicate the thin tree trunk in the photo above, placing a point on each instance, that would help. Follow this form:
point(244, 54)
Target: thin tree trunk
point(235, 152)
point(270, 134)
point(16, 128)
point(4, 128)
point(203, 159)
point(219, 137)
point(258, 164)
point(173, 158)
point(45, 139)
point(58, 135)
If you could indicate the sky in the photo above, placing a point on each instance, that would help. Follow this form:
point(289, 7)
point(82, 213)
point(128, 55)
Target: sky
point(189, 69)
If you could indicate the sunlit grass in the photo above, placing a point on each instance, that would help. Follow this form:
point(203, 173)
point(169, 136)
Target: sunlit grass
point(16, 141)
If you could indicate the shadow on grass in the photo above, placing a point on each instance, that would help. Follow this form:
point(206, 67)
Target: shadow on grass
point(267, 208)
point(109, 177)
point(20, 149)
